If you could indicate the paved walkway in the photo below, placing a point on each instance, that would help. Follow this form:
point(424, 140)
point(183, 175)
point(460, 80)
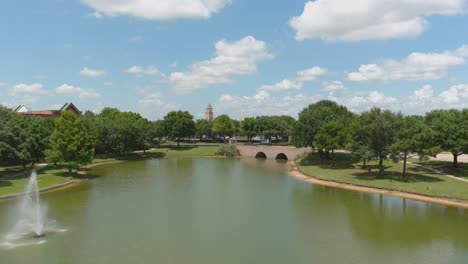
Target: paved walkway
point(438, 172)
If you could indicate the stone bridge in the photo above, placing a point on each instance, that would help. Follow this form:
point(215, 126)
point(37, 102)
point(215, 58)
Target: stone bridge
point(271, 152)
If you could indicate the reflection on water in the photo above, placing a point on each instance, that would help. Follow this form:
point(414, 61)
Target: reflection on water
point(237, 211)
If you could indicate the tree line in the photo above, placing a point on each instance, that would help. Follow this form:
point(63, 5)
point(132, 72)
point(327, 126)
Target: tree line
point(75, 140)
point(325, 126)
point(381, 134)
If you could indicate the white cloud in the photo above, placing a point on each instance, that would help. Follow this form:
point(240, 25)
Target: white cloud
point(456, 94)
point(156, 10)
point(232, 58)
point(297, 82)
point(80, 92)
point(22, 88)
point(139, 71)
point(418, 102)
point(262, 103)
point(153, 106)
point(425, 92)
point(92, 73)
point(333, 87)
point(311, 74)
point(417, 66)
point(284, 85)
point(344, 20)
point(3, 84)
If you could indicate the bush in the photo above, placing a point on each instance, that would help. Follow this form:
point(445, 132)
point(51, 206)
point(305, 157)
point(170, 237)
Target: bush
point(227, 151)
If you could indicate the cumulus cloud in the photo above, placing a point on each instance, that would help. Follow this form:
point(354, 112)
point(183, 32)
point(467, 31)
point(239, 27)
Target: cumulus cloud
point(456, 94)
point(78, 91)
point(297, 82)
point(139, 71)
point(92, 73)
point(262, 103)
point(152, 105)
point(333, 87)
point(344, 20)
point(156, 10)
point(232, 58)
point(22, 88)
point(416, 66)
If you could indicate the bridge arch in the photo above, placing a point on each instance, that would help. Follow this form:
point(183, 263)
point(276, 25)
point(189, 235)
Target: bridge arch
point(281, 156)
point(261, 155)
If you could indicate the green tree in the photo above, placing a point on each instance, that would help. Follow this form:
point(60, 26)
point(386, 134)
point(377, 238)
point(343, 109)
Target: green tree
point(248, 128)
point(179, 125)
point(413, 137)
point(15, 143)
point(379, 129)
point(204, 128)
point(450, 131)
point(312, 118)
point(332, 136)
point(223, 126)
point(69, 143)
point(157, 132)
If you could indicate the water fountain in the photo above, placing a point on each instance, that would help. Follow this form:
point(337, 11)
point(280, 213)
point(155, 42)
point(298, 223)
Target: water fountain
point(31, 211)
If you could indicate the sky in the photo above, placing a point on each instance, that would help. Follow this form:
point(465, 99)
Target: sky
point(245, 57)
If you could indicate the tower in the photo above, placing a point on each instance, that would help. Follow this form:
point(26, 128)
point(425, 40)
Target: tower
point(209, 113)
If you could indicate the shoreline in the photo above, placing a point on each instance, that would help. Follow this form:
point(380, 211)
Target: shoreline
point(295, 173)
point(69, 184)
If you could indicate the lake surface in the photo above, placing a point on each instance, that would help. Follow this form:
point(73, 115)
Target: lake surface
point(195, 210)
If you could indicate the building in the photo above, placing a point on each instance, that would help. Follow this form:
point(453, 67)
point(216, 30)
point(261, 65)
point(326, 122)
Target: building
point(209, 113)
point(23, 110)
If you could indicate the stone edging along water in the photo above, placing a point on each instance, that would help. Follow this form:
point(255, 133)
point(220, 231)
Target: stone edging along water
point(373, 190)
point(52, 188)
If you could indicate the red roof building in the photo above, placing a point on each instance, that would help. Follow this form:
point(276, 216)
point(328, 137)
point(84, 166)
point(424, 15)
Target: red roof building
point(23, 110)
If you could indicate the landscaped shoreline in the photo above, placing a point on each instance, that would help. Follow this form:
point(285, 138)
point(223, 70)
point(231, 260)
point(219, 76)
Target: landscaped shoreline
point(206, 152)
point(373, 190)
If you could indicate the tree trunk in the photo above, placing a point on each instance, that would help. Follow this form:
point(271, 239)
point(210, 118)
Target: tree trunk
point(380, 167)
point(455, 160)
point(333, 157)
point(405, 157)
point(178, 143)
point(364, 164)
point(69, 169)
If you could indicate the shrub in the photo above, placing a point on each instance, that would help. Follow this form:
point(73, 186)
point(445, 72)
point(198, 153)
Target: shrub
point(227, 151)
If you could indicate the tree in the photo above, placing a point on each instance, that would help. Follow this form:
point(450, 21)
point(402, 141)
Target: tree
point(15, 143)
point(204, 128)
point(414, 136)
point(248, 128)
point(450, 131)
point(332, 136)
point(157, 132)
point(378, 130)
point(223, 126)
point(312, 118)
point(69, 143)
point(178, 125)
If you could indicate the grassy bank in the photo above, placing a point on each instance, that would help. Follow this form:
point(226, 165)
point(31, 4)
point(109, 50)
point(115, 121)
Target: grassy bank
point(48, 177)
point(55, 175)
point(420, 181)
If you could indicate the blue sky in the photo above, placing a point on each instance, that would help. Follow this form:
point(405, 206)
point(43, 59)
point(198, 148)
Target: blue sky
point(244, 57)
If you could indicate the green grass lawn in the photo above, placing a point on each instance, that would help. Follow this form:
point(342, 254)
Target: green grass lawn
point(446, 167)
point(419, 181)
point(9, 170)
point(48, 177)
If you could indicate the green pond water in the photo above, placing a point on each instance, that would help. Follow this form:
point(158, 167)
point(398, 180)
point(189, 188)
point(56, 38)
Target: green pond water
point(195, 210)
